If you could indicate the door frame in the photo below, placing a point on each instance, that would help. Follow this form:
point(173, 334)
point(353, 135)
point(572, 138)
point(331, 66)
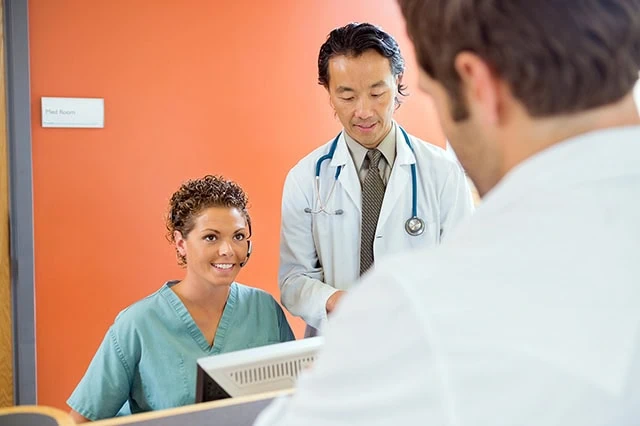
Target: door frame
point(21, 245)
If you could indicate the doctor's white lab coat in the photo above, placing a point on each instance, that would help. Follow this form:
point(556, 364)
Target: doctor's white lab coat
point(320, 253)
point(528, 315)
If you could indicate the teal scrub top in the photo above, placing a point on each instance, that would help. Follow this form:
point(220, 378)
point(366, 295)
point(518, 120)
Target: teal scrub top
point(148, 356)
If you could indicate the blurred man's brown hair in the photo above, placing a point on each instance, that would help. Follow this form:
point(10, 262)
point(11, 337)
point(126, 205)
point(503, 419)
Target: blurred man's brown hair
point(558, 57)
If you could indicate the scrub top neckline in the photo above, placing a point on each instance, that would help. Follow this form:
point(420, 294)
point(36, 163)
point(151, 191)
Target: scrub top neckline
point(183, 313)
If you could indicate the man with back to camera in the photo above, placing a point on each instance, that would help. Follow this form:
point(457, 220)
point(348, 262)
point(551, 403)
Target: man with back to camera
point(380, 190)
point(528, 315)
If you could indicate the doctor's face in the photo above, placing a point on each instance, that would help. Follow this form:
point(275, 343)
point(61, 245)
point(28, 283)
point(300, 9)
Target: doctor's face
point(362, 91)
point(216, 245)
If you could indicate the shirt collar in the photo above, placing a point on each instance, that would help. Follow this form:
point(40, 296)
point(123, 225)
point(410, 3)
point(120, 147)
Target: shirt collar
point(387, 147)
point(583, 159)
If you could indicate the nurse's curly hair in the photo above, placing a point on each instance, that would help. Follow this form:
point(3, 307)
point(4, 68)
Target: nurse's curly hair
point(196, 195)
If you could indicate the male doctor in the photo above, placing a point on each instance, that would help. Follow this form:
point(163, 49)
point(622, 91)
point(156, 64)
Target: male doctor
point(379, 190)
point(528, 314)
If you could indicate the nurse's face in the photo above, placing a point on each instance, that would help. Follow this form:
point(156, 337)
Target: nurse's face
point(216, 245)
point(362, 91)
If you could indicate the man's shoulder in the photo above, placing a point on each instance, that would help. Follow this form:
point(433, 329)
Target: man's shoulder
point(427, 151)
point(305, 168)
point(312, 157)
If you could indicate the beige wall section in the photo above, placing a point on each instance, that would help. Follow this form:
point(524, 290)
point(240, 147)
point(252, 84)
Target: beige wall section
point(6, 341)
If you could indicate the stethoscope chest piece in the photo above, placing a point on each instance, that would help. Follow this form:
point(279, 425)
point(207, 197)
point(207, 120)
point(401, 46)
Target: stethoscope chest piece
point(414, 226)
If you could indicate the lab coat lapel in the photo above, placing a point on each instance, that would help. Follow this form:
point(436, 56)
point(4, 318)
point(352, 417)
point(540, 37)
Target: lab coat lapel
point(348, 177)
point(399, 181)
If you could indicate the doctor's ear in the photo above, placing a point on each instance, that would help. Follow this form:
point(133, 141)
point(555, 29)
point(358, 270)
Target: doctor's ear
point(399, 90)
point(333, 107)
point(483, 90)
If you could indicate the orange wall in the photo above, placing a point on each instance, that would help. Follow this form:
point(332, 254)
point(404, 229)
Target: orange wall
point(190, 88)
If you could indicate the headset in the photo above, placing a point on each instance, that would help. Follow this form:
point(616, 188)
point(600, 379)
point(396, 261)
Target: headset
point(246, 259)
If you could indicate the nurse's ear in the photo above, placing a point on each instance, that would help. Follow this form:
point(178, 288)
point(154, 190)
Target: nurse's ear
point(180, 242)
point(249, 249)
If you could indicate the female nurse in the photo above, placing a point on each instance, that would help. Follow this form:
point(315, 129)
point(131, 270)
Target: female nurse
point(147, 360)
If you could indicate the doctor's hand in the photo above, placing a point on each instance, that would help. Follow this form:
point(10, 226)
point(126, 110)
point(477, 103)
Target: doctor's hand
point(333, 300)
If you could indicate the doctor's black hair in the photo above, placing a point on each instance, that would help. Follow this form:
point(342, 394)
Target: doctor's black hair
point(353, 40)
point(196, 195)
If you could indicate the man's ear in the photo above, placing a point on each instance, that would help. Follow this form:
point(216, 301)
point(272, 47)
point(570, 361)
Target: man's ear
point(397, 94)
point(479, 86)
point(333, 107)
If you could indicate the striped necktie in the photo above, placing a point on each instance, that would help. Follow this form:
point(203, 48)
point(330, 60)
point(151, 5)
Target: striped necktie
point(372, 196)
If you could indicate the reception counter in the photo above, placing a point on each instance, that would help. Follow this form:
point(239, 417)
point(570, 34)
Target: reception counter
point(240, 411)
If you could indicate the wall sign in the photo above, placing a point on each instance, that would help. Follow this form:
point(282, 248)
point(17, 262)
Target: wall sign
point(73, 112)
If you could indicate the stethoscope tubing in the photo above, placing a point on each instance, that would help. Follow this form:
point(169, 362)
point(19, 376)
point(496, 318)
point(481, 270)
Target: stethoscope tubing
point(329, 156)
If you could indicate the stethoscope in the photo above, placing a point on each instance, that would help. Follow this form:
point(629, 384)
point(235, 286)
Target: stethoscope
point(414, 225)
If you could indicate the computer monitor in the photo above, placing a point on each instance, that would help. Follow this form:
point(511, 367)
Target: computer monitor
point(256, 370)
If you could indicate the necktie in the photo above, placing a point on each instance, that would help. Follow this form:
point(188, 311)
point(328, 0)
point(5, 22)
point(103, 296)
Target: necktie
point(372, 196)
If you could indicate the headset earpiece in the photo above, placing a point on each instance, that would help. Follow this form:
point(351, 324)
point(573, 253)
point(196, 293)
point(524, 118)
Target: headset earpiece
point(249, 248)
